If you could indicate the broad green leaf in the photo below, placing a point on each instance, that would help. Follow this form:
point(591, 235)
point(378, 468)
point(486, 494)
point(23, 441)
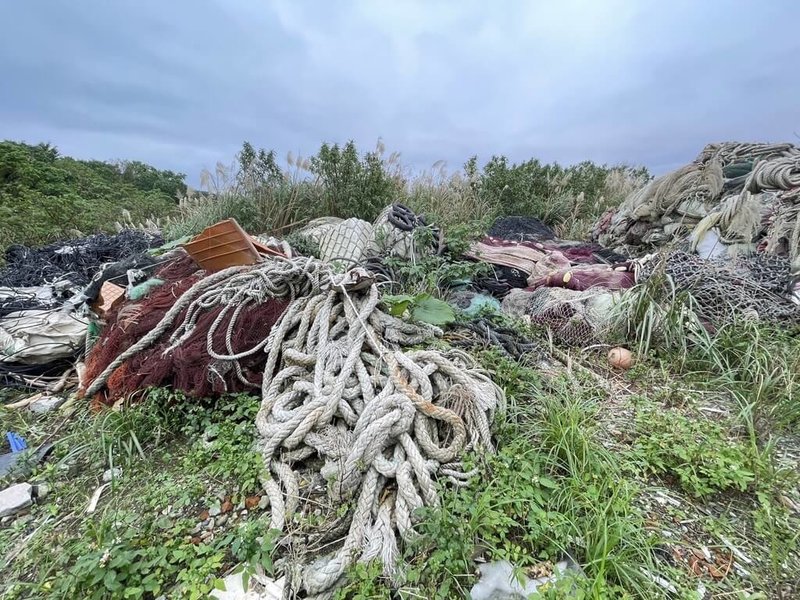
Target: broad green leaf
point(398, 304)
point(433, 311)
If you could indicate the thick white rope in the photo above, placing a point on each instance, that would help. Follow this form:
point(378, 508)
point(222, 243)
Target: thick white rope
point(380, 424)
point(344, 404)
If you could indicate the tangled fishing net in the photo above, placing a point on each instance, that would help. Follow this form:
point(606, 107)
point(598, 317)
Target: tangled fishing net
point(46, 277)
point(348, 418)
point(745, 196)
point(574, 318)
point(197, 366)
point(74, 260)
point(728, 288)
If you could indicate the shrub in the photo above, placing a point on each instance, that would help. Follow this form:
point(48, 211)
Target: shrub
point(44, 196)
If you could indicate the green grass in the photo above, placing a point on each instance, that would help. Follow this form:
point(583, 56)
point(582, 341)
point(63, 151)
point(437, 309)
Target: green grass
point(177, 457)
point(552, 491)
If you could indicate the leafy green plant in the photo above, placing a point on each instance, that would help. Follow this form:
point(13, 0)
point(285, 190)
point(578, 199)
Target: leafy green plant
point(45, 196)
point(422, 308)
point(695, 451)
point(364, 582)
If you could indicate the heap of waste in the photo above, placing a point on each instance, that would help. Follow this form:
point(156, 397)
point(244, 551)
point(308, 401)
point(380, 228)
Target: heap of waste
point(353, 413)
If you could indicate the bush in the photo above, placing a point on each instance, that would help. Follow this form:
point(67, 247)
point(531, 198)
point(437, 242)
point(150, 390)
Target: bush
point(44, 196)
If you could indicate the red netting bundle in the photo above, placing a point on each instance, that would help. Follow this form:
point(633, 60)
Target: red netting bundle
point(187, 366)
point(131, 322)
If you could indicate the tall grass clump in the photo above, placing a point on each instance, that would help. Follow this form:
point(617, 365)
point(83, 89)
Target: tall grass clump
point(449, 199)
point(265, 197)
point(338, 181)
point(754, 363)
point(656, 314)
point(759, 366)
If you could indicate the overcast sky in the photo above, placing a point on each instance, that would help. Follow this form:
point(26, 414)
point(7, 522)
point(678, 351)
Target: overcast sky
point(180, 84)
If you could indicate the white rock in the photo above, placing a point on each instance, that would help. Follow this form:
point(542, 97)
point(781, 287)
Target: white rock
point(15, 498)
point(46, 404)
point(109, 474)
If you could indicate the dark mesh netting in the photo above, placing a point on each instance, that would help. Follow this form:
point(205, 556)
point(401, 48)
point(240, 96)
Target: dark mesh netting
point(131, 322)
point(727, 288)
point(521, 229)
point(189, 367)
point(75, 260)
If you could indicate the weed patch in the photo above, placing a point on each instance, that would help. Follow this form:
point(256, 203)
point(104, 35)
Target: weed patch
point(698, 453)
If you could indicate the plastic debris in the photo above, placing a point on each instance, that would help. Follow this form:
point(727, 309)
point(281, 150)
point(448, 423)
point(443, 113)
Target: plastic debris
point(141, 290)
point(259, 588)
point(499, 582)
point(16, 442)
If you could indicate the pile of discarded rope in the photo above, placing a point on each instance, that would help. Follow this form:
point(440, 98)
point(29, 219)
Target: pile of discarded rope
point(733, 198)
point(348, 418)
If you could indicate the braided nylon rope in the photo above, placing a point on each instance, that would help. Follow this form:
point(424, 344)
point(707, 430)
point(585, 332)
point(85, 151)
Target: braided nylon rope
point(381, 423)
point(749, 193)
point(373, 426)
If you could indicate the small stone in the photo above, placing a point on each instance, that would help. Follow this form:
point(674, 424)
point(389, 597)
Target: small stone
point(243, 513)
point(46, 404)
point(15, 498)
point(195, 539)
point(210, 524)
point(112, 474)
point(221, 520)
point(226, 507)
point(214, 510)
point(264, 502)
point(205, 535)
point(41, 490)
point(203, 515)
point(251, 502)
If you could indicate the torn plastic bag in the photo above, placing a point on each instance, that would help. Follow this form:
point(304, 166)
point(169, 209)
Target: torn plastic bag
point(41, 336)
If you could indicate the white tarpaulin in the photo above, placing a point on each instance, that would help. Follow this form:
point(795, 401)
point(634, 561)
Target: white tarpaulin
point(40, 336)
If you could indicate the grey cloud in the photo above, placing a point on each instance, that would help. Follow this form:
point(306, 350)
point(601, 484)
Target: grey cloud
point(180, 84)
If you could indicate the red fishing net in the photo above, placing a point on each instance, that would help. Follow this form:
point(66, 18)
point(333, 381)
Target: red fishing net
point(187, 367)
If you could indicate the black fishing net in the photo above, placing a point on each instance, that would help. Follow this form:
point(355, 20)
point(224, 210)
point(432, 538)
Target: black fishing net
point(728, 288)
point(521, 229)
point(76, 260)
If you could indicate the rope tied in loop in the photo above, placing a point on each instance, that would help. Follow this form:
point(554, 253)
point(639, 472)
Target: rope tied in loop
point(379, 424)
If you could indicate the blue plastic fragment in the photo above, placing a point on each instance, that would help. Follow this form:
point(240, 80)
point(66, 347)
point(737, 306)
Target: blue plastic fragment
point(16, 442)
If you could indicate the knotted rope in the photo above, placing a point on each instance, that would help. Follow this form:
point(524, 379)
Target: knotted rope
point(379, 424)
point(347, 419)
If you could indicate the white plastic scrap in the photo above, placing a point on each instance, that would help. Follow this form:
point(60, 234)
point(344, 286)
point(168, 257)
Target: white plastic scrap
point(497, 581)
point(40, 336)
point(259, 588)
